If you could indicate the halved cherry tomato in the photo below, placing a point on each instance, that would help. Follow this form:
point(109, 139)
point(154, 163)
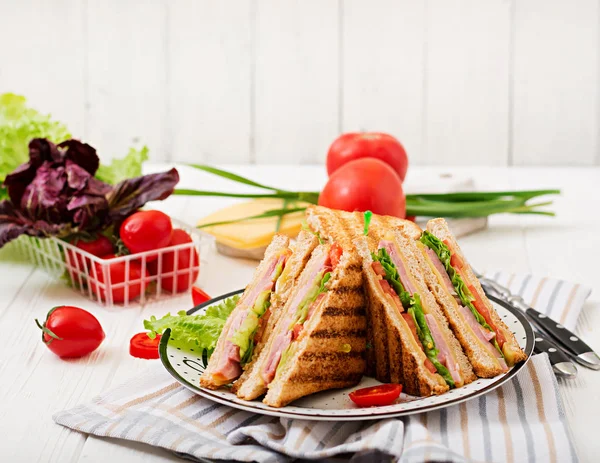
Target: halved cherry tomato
point(335, 252)
point(376, 396)
point(141, 346)
point(71, 332)
point(199, 296)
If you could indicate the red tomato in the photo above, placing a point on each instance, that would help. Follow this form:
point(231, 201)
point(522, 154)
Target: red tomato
point(118, 284)
point(385, 286)
point(296, 331)
point(335, 253)
point(186, 258)
point(485, 313)
point(99, 246)
point(351, 146)
point(365, 185)
point(145, 231)
point(376, 396)
point(71, 332)
point(199, 296)
point(141, 346)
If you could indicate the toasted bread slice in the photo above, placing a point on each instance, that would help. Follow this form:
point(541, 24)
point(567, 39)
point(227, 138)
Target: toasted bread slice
point(250, 385)
point(394, 354)
point(416, 267)
point(511, 349)
point(399, 357)
point(212, 378)
point(329, 351)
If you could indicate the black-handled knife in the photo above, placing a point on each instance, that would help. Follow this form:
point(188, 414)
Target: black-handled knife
point(560, 361)
point(569, 341)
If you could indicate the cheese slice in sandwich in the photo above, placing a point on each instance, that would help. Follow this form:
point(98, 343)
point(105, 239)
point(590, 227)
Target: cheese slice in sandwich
point(244, 327)
point(250, 384)
point(319, 340)
point(412, 342)
point(487, 341)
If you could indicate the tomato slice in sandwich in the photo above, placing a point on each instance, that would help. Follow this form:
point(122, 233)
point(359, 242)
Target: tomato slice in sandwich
point(376, 396)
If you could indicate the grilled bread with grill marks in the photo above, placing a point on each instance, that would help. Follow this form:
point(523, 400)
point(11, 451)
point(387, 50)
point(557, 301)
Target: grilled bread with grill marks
point(278, 245)
point(483, 363)
point(250, 385)
point(385, 361)
point(329, 352)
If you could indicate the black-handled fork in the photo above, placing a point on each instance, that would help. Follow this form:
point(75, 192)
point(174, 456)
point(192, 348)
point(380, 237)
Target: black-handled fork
point(568, 341)
point(560, 361)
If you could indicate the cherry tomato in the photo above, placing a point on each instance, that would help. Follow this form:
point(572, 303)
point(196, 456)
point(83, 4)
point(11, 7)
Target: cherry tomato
point(141, 346)
point(99, 246)
point(186, 258)
point(117, 271)
point(351, 146)
point(199, 296)
point(145, 231)
point(376, 396)
point(71, 332)
point(335, 253)
point(365, 185)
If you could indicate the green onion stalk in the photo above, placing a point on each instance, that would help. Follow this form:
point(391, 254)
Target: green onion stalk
point(460, 204)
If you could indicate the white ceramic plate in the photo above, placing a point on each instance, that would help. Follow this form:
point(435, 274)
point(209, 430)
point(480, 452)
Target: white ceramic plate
point(186, 368)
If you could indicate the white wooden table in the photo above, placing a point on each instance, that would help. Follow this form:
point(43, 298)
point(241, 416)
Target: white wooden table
point(35, 384)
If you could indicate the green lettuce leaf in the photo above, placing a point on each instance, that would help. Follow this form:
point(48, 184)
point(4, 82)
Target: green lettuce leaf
point(444, 254)
point(198, 332)
point(412, 304)
point(426, 338)
point(19, 124)
point(120, 169)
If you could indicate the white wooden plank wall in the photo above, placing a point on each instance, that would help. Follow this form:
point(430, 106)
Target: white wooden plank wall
point(460, 82)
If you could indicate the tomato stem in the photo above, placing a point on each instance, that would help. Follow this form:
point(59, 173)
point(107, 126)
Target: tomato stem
point(46, 330)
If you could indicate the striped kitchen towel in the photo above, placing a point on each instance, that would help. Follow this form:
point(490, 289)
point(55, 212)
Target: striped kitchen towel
point(523, 420)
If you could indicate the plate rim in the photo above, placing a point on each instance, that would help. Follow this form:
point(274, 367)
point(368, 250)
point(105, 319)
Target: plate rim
point(281, 412)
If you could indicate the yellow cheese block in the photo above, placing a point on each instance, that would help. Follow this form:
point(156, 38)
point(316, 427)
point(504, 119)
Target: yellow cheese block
point(255, 233)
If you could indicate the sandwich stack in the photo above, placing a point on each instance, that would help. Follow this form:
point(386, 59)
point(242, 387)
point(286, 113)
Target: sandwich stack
point(354, 297)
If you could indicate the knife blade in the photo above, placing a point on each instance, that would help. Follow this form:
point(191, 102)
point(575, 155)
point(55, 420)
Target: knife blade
point(568, 341)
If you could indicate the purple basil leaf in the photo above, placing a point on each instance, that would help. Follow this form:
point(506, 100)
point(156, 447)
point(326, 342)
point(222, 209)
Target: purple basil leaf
point(81, 154)
point(88, 210)
point(131, 194)
point(13, 224)
point(40, 151)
